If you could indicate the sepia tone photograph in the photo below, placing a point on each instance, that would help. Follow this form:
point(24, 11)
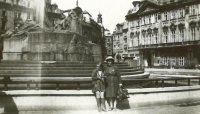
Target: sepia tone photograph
point(99, 56)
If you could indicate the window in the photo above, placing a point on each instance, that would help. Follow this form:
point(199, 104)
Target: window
point(156, 38)
point(4, 20)
point(132, 24)
point(19, 15)
point(173, 14)
point(199, 8)
point(165, 37)
point(150, 39)
point(138, 40)
point(165, 16)
point(181, 13)
point(125, 40)
point(181, 61)
point(150, 19)
point(166, 60)
point(181, 35)
point(173, 36)
point(144, 20)
point(28, 16)
point(3, 13)
point(156, 18)
point(138, 22)
point(28, 4)
point(173, 60)
point(193, 10)
point(144, 39)
point(193, 34)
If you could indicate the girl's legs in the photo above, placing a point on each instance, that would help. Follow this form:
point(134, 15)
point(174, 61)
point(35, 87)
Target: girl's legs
point(98, 100)
point(103, 105)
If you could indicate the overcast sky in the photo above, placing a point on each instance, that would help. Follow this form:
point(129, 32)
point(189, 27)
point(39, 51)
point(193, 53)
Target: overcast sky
point(113, 11)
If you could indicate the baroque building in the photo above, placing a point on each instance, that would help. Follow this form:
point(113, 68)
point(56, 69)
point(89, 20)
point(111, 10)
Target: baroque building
point(108, 42)
point(164, 33)
point(118, 40)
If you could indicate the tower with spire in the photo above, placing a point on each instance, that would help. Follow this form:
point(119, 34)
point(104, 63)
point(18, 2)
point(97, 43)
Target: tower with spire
point(77, 3)
point(99, 18)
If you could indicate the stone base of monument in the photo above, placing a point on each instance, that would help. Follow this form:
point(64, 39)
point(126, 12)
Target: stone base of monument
point(51, 46)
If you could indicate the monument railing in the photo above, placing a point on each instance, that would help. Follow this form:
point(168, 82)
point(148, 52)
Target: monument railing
point(78, 84)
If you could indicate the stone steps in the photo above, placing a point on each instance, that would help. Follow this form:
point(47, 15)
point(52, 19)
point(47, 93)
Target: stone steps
point(57, 71)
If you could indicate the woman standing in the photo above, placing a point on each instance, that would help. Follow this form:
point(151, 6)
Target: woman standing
point(99, 86)
point(113, 81)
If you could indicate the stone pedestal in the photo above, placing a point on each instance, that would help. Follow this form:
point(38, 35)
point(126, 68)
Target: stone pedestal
point(130, 61)
point(51, 46)
point(97, 53)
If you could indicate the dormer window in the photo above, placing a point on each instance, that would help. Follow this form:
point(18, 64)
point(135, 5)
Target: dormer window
point(193, 10)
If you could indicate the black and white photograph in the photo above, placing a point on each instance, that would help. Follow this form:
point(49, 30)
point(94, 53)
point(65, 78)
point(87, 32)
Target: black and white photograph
point(99, 56)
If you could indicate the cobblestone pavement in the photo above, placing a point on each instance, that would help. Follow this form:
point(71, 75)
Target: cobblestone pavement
point(193, 108)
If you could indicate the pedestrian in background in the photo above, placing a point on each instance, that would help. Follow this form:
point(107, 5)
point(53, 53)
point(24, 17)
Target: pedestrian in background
point(99, 86)
point(113, 82)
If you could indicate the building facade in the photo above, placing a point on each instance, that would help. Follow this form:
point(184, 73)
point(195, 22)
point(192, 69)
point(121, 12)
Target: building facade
point(108, 42)
point(14, 13)
point(164, 33)
point(118, 41)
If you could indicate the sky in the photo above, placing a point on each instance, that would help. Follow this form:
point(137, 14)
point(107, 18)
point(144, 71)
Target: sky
point(113, 11)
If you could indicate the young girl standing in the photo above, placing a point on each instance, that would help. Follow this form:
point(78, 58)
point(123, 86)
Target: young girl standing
point(99, 86)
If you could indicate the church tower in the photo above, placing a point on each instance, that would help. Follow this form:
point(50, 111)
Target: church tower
point(99, 19)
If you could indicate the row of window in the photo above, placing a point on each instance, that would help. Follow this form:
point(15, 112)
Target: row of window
point(180, 13)
point(172, 61)
point(168, 37)
point(18, 2)
point(173, 14)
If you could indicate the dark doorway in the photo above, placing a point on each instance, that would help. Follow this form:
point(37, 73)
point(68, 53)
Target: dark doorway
point(149, 59)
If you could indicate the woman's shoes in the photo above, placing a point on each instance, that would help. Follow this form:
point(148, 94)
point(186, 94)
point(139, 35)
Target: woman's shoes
point(110, 109)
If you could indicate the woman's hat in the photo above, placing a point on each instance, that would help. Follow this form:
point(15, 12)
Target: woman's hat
point(109, 58)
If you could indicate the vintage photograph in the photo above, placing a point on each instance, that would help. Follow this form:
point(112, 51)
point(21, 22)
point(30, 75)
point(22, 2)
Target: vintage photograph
point(99, 56)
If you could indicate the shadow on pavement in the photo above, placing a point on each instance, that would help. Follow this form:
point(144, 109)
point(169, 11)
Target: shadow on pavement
point(189, 104)
point(123, 104)
point(7, 102)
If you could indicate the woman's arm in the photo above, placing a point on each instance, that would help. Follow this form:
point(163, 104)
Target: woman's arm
point(118, 75)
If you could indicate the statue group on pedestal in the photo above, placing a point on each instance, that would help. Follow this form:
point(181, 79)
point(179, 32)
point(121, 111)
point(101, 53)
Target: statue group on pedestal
point(70, 23)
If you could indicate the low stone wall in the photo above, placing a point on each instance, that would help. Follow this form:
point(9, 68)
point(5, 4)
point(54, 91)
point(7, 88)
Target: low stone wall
point(188, 72)
point(84, 100)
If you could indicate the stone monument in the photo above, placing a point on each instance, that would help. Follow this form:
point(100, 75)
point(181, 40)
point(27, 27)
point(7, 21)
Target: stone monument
point(41, 41)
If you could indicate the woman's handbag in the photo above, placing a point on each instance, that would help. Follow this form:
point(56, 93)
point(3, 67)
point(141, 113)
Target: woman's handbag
point(122, 93)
